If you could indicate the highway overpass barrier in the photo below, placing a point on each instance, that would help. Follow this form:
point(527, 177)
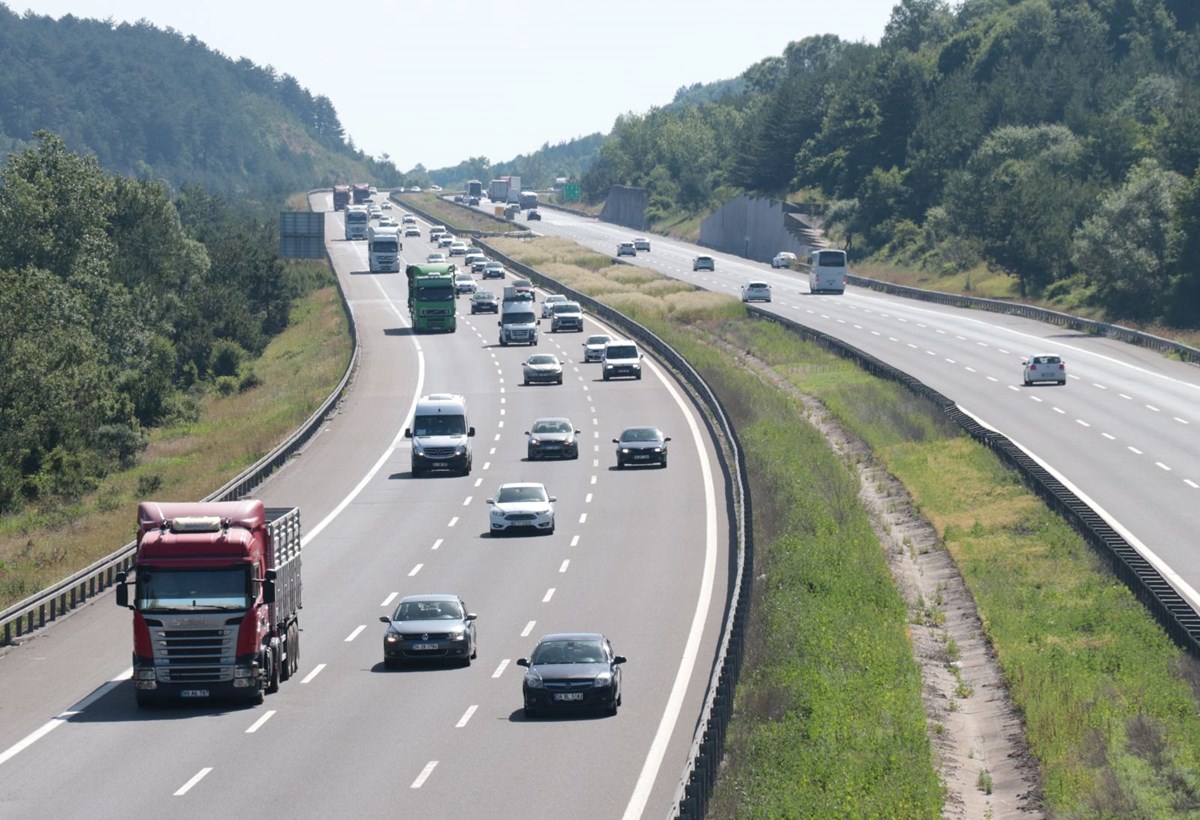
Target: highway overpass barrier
point(45, 607)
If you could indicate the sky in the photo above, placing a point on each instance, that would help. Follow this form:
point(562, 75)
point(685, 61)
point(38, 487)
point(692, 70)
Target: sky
point(438, 82)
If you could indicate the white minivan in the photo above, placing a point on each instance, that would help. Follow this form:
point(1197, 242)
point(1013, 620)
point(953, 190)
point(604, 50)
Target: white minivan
point(440, 434)
point(622, 358)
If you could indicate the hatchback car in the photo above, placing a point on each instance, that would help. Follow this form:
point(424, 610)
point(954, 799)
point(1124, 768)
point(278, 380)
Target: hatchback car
point(552, 437)
point(429, 628)
point(493, 270)
point(543, 367)
point(471, 259)
point(549, 302)
point(641, 445)
point(533, 215)
point(704, 263)
point(387, 205)
point(626, 249)
point(641, 243)
point(783, 259)
point(464, 283)
point(412, 230)
point(521, 507)
point(572, 671)
point(567, 316)
point(756, 292)
point(593, 347)
point(435, 259)
point(485, 301)
point(408, 219)
point(1045, 367)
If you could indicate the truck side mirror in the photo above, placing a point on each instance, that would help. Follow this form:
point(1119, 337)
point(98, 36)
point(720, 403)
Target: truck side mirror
point(122, 590)
point(408, 432)
point(470, 431)
point(268, 587)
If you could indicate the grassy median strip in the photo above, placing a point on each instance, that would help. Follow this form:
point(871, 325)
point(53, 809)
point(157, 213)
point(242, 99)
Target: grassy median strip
point(828, 718)
point(190, 459)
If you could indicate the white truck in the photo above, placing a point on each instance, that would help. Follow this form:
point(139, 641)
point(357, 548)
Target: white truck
point(357, 220)
point(383, 249)
point(518, 318)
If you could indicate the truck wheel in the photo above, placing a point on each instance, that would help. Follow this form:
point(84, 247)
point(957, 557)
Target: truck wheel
point(273, 684)
point(285, 670)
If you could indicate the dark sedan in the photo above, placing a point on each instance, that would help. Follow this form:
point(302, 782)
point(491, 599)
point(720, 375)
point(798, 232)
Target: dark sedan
point(429, 627)
point(553, 437)
point(572, 671)
point(641, 445)
point(485, 301)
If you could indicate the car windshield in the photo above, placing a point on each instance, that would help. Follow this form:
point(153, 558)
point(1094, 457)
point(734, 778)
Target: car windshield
point(428, 611)
point(598, 340)
point(620, 352)
point(485, 296)
point(509, 495)
point(439, 425)
point(640, 434)
point(518, 318)
point(545, 358)
point(554, 300)
point(587, 651)
point(552, 427)
point(566, 307)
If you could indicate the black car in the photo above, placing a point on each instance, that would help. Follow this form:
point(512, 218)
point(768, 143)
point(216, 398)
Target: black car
point(572, 671)
point(485, 301)
point(641, 445)
point(532, 215)
point(553, 437)
point(429, 628)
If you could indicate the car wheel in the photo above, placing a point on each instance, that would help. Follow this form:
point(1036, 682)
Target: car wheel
point(663, 463)
point(503, 343)
point(1028, 382)
point(620, 464)
point(559, 380)
point(525, 383)
point(606, 377)
point(611, 711)
point(638, 376)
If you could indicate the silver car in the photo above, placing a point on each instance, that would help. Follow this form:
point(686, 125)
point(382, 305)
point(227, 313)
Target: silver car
point(549, 302)
point(593, 347)
point(543, 367)
point(552, 437)
point(756, 292)
point(522, 507)
point(429, 628)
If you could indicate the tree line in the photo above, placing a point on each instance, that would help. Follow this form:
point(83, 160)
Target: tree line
point(1055, 140)
point(120, 303)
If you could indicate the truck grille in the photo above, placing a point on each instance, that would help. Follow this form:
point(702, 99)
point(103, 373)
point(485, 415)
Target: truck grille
point(195, 655)
point(439, 452)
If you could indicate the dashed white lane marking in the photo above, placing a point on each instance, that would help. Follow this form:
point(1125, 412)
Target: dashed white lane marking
point(424, 775)
point(583, 518)
point(1162, 466)
point(186, 787)
point(564, 566)
point(575, 541)
point(453, 521)
point(415, 570)
point(500, 669)
point(467, 501)
point(1181, 421)
point(437, 543)
point(462, 721)
point(1082, 423)
point(1109, 436)
point(1191, 484)
point(316, 671)
point(549, 594)
point(254, 727)
point(1152, 408)
point(528, 629)
point(388, 600)
point(1135, 450)
point(357, 631)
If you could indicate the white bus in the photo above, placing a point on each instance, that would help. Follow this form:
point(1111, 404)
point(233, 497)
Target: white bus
point(827, 271)
point(357, 220)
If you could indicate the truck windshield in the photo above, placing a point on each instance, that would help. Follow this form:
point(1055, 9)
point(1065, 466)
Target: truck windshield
point(518, 318)
point(436, 293)
point(384, 246)
point(357, 216)
point(439, 425)
point(193, 590)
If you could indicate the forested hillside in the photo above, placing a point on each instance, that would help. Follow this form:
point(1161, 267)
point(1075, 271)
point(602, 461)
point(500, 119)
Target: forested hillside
point(158, 105)
point(1055, 140)
point(537, 169)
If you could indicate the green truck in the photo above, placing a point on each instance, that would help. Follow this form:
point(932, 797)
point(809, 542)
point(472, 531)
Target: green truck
point(431, 302)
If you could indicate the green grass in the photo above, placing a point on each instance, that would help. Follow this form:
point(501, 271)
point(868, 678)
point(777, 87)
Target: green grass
point(295, 374)
point(828, 717)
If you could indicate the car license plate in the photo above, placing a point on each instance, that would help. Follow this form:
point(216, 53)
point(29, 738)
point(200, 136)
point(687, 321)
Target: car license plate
point(441, 464)
point(420, 647)
point(194, 693)
point(641, 457)
point(562, 696)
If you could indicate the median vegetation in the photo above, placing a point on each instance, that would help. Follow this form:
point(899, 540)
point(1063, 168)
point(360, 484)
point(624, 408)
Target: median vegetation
point(829, 719)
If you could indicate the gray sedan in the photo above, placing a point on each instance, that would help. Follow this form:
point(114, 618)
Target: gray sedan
point(553, 437)
point(543, 367)
point(641, 445)
point(429, 627)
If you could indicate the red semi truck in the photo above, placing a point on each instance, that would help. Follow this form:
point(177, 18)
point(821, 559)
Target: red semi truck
point(341, 197)
point(216, 600)
point(362, 192)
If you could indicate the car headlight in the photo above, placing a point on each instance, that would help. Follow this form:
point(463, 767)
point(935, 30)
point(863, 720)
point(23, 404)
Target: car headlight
point(458, 636)
point(624, 451)
point(535, 441)
point(417, 448)
point(460, 450)
point(391, 637)
point(534, 681)
point(603, 680)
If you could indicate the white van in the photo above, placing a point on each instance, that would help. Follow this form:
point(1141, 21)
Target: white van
point(622, 358)
point(440, 434)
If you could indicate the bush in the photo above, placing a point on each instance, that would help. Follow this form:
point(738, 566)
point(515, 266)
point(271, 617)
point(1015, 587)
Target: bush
point(226, 358)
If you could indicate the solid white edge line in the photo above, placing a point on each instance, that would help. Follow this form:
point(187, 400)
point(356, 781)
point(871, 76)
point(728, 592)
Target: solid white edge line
point(1181, 586)
point(396, 439)
point(687, 662)
point(52, 724)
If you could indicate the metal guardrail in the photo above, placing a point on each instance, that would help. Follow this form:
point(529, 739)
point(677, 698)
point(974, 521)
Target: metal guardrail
point(708, 743)
point(1170, 609)
point(1124, 334)
point(48, 605)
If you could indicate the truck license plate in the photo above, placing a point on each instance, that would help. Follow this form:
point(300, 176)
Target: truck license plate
point(569, 696)
point(194, 693)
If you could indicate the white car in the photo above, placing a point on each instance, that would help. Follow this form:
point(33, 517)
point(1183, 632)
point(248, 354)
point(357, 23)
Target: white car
point(446, 240)
point(408, 219)
point(458, 248)
point(783, 259)
point(435, 259)
point(549, 302)
point(387, 205)
point(542, 367)
point(593, 347)
point(704, 262)
point(464, 283)
point(523, 507)
point(756, 292)
point(641, 243)
point(412, 230)
point(1045, 367)
point(388, 222)
point(626, 249)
